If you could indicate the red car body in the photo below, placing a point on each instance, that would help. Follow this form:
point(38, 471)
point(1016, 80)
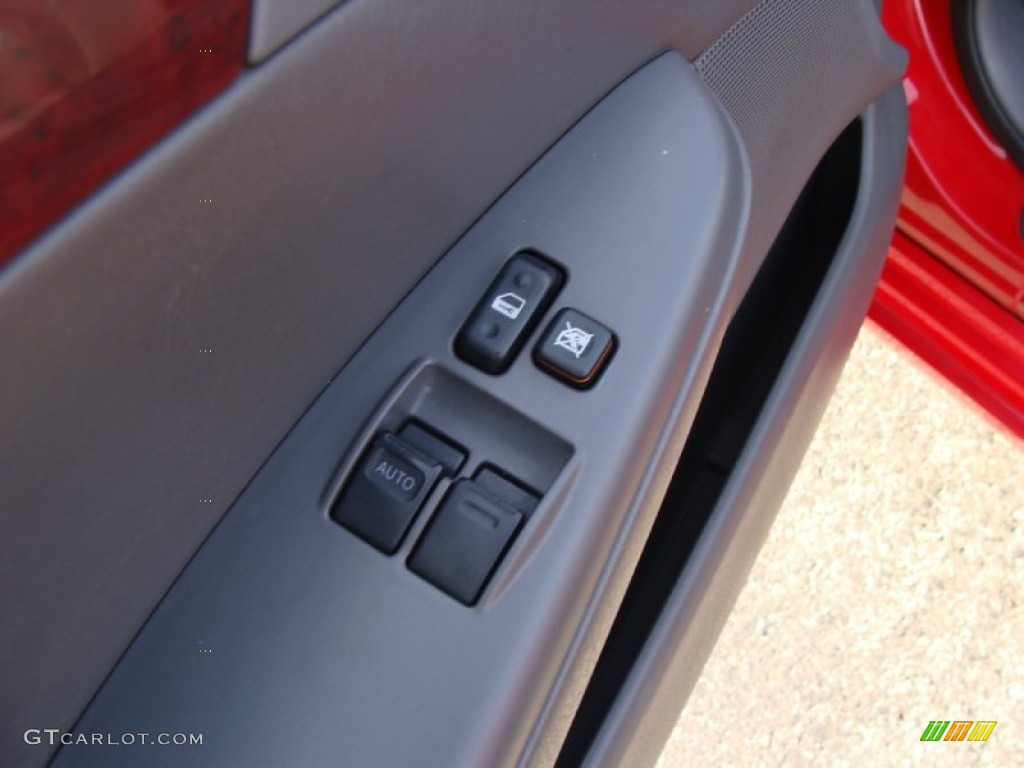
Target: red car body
point(953, 285)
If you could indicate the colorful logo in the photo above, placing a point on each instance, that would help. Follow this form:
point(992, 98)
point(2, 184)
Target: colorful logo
point(958, 730)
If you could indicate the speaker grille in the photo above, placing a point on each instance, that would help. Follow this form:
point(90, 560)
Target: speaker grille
point(792, 74)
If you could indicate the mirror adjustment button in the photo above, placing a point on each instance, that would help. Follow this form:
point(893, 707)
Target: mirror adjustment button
point(465, 541)
point(574, 348)
point(508, 312)
point(386, 491)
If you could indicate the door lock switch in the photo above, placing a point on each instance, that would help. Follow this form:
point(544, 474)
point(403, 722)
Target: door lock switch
point(507, 314)
point(387, 490)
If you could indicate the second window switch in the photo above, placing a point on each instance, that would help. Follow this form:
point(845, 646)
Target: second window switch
point(465, 541)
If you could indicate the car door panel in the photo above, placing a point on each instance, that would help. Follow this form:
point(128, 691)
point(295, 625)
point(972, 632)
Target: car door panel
point(336, 179)
point(165, 347)
point(611, 203)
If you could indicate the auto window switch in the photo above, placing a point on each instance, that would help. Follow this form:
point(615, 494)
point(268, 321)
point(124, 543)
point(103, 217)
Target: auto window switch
point(389, 486)
point(507, 314)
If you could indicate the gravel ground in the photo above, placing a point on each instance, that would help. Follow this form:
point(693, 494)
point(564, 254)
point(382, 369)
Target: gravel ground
point(889, 593)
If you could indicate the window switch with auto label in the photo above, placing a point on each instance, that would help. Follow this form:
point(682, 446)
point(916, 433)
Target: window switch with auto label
point(389, 486)
point(574, 348)
point(508, 312)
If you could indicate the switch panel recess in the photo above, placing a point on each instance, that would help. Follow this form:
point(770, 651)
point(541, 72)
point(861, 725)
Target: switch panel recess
point(441, 453)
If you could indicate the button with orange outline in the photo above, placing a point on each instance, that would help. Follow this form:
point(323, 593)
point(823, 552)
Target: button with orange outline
point(574, 348)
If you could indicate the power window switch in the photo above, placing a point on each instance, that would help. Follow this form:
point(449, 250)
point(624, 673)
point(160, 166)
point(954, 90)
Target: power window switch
point(465, 541)
point(430, 443)
point(386, 491)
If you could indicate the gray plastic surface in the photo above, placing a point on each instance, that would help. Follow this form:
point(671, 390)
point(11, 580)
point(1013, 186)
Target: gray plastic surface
point(275, 22)
point(670, 664)
point(340, 170)
point(792, 74)
point(996, 28)
point(1000, 49)
point(326, 652)
point(444, 28)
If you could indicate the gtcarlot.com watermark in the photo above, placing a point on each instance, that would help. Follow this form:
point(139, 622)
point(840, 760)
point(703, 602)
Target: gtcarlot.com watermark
point(56, 737)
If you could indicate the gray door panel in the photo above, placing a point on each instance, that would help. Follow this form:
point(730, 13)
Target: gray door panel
point(339, 170)
point(757, 476)
point(641, 203)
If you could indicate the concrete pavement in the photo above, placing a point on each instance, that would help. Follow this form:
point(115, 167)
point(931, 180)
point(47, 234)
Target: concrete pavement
point(890, 591)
